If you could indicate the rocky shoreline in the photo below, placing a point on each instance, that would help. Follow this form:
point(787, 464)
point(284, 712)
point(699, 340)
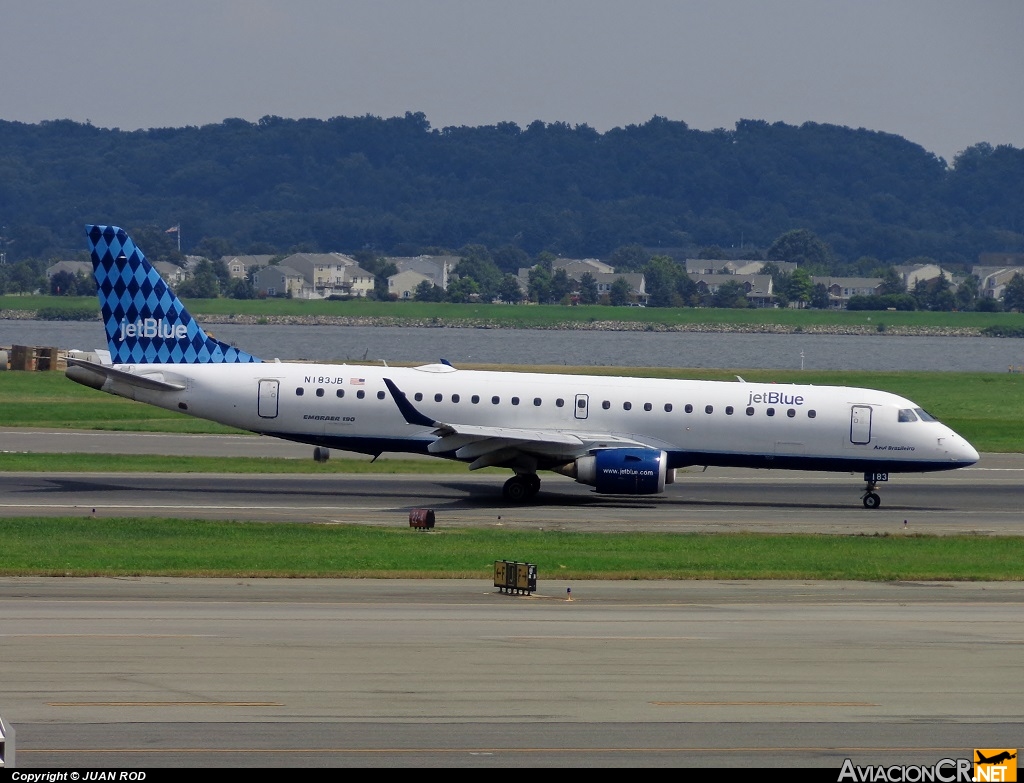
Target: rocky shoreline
point(606, 326)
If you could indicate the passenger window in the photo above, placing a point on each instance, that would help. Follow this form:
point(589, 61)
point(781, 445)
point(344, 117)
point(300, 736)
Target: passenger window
point(811, 414)
point(647, 406)
point(475, 399)
point(791, 413)
point(750, 411)
point(627, 406)
point(360, 394)
point(438, 398)
point(770, 411)
point(455, 398)
point(381, 395)
point(728, 410)
point(688, 408)
point(559, 403)
point(340, 393)
point(668, 407)
point(606, 405)
point(709, 408)
point(299, 392)
point(906, 415)
point(319, 392)
point(418, 396)
point(495, 400)
point(515, 400)
point(536, 401)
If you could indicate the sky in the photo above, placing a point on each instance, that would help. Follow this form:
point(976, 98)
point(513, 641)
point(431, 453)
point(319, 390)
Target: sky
point(944, 74)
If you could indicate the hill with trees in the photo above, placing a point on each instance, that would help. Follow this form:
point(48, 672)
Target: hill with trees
point(381, 186)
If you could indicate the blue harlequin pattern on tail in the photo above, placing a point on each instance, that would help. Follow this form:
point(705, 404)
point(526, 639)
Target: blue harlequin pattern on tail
point(145, 322)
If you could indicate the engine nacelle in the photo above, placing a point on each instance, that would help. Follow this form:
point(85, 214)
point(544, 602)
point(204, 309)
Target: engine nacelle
point(625, 471)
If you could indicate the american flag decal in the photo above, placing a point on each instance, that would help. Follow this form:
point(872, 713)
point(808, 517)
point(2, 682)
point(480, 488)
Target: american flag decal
point(357, 381)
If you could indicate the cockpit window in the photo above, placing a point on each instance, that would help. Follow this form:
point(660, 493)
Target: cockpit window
point(907, 415)
point(924, 415)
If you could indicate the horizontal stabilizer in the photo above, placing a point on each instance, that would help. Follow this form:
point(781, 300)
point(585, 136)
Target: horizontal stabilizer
point(95, 375)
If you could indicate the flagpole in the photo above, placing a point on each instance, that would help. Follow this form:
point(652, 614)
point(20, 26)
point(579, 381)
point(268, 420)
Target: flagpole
point(177, 230)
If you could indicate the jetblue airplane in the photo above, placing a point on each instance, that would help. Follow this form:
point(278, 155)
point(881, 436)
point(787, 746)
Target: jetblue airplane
point(622, 436)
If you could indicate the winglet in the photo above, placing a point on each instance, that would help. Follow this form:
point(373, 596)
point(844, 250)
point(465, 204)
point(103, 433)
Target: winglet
point(409, 412)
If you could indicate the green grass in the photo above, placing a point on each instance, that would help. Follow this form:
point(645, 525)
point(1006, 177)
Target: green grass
point(153, 463)
point(81, 546)
point(986, 408)
point(534, 316)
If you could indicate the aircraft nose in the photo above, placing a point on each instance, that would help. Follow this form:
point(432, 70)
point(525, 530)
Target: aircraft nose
point(959, 449)
point(969, 453)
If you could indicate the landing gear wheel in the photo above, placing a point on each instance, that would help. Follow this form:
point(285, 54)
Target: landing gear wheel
point(516, 489)
point(534, 481)
point(871, 500)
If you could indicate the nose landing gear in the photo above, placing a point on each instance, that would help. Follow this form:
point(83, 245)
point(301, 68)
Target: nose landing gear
point(870, 496)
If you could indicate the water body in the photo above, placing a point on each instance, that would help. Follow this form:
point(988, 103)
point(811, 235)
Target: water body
point(589, 348)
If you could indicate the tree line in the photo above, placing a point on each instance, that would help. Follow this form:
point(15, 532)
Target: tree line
point(396, 186)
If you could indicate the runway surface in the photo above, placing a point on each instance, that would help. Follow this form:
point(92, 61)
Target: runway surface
point(983, 499)
point(451, 673)
point(129, 673)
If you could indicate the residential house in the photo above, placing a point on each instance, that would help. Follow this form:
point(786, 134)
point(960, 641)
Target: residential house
point(993, 280)
point(575, 268)
point(840, 289)
point(330, 274)
point(912, 274)
point(240, 266)
point(171, 273)
point(404, 284)
point(281, 280)
point(759, 289)
point(73, 267)
point(637, 284)
point(358, 281)
point(437, 268)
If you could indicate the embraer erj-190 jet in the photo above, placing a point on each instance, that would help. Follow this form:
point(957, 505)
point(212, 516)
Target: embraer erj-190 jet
point(624, 436)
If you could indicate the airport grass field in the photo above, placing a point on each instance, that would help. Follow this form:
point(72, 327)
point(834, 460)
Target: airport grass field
point(542, 316)
point(85, 546)
point(987, 408)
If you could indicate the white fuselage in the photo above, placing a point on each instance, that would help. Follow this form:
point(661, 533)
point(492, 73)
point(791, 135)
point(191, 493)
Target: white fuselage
point(695, 422)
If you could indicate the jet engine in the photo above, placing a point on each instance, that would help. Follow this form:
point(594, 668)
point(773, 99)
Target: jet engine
point(623, 471)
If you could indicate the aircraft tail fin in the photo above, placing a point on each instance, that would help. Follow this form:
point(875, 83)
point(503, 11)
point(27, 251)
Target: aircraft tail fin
point(144, 321)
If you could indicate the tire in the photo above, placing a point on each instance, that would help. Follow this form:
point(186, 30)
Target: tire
point(534, 484)
point(871, 500)
point(516, 489)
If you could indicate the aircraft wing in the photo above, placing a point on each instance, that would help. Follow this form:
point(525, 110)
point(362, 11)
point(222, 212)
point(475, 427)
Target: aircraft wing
point(488, 446)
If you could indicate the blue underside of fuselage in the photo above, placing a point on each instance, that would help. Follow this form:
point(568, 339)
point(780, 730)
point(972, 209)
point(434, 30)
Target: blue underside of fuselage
point(676, 459)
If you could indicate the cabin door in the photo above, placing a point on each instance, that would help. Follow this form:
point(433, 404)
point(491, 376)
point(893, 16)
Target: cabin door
point(582, 405)
point(267, 399)
point(860, 424)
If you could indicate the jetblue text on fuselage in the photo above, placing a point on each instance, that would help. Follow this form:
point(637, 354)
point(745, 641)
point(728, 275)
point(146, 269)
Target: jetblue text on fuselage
point(775, 398)
point(151, 327)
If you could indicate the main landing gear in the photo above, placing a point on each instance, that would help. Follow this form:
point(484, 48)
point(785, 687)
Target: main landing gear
point(520, 487)
point(870, 496)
